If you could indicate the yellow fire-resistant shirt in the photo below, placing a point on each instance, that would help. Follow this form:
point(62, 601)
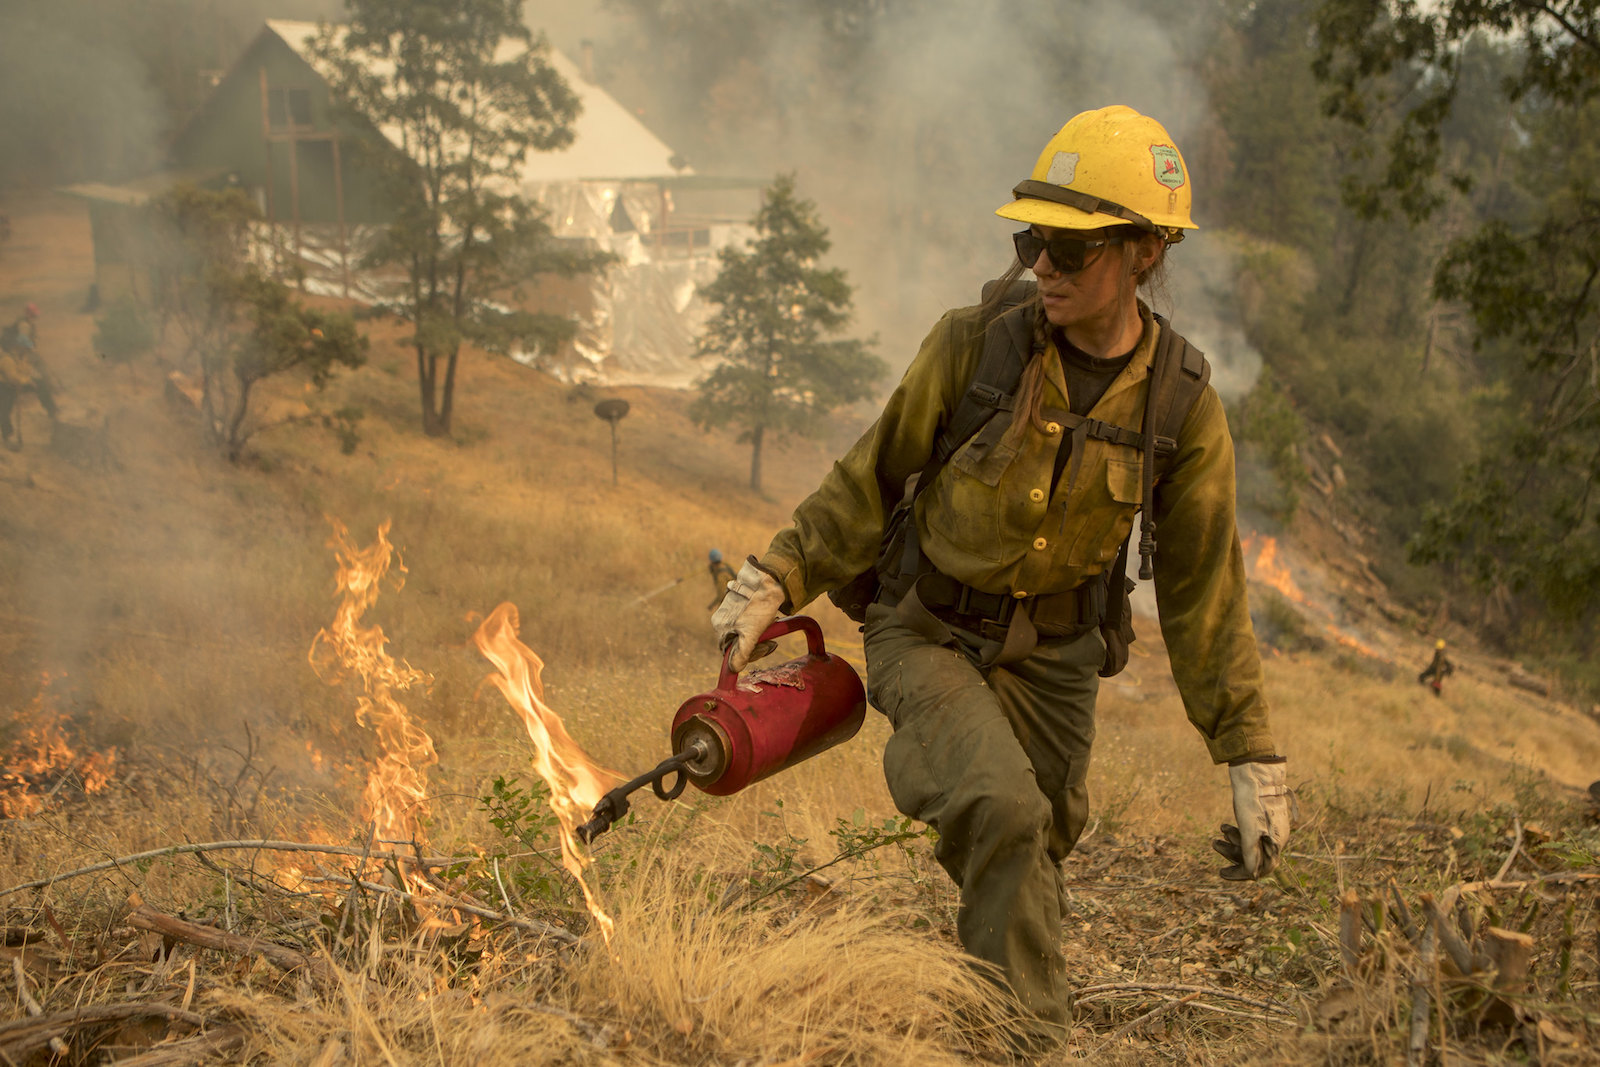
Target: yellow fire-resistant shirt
point(992, 520)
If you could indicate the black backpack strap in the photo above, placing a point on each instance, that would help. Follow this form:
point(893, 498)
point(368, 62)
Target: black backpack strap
point(1179, 373)
point(1007, 344)
point(1182, 389)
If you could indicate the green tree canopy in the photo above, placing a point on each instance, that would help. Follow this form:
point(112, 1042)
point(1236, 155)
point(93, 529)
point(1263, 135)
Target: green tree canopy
point(463, 87)
point(1524, 518)
point(779, 369)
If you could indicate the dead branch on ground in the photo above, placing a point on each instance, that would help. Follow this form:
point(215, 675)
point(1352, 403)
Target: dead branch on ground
point(144, 917)
point(228, 846)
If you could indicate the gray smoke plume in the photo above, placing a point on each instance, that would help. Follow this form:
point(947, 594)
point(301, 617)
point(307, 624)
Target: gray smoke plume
point(911, 125)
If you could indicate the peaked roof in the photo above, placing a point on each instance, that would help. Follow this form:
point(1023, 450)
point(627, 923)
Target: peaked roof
point(609, 142)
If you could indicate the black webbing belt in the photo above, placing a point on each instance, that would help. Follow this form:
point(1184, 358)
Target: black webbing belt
point(1053, 613)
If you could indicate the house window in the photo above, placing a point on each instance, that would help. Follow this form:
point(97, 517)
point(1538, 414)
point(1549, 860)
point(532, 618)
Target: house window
point(288, 107)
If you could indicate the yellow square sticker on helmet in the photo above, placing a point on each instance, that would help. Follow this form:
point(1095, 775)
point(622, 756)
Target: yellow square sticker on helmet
point(1168, 165)
point(1063, 168)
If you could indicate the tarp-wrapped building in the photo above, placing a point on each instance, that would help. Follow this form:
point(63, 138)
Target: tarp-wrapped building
point(269, 128)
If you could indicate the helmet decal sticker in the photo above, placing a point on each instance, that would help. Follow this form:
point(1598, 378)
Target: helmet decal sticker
point(1063, 168)
point(1169, 167)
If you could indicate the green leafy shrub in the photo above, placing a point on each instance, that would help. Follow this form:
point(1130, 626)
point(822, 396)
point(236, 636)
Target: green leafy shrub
point(1271, 434)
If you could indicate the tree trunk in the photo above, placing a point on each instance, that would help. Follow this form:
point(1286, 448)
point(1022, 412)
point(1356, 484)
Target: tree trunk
point(755, 457)
point(447, 402)
point(427, 380)
point(236, 435)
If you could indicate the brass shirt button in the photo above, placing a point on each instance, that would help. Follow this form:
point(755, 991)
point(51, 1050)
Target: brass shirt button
point(1052, 427)
point(1036, 495)
point(1040, 543)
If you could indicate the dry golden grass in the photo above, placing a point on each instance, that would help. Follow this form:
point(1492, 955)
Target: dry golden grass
point(179, 597)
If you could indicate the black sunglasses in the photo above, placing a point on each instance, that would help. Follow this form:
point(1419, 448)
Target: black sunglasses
point(1067, 254)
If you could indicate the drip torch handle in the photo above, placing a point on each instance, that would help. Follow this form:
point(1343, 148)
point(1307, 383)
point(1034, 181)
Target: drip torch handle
point(785, 624)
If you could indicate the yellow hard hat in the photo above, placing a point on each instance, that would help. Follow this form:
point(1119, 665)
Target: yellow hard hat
point(1439, 643)
point(1108, 167)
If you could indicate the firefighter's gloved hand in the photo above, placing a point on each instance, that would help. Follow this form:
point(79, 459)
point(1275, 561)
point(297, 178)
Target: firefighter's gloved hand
point(754, 600)
point(1261, 806)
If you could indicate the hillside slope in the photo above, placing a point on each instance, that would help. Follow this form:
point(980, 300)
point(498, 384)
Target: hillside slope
point(171, 600)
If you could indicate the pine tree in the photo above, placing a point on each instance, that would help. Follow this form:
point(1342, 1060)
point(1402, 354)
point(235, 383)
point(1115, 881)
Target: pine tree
point(435, 75)
point(779, 372)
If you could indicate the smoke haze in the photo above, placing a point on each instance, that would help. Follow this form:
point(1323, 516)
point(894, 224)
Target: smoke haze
point(909, 124)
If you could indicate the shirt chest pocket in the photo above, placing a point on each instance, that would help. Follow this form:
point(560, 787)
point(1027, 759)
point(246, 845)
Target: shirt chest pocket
point(1108, 508)
point(1123, 480)
point(985, 457)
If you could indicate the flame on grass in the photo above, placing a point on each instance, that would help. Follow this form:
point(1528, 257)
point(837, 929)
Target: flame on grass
point(41, 755)
point(394, 801)
point(576, 782)
point(1261, 557)
point(1266, 568)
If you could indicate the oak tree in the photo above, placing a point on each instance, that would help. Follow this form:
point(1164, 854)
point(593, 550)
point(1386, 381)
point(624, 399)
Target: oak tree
point(237, 324)
point(463, 90)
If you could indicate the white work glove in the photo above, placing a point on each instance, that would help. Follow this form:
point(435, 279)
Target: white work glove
point(1261, 805)
point(754, 600)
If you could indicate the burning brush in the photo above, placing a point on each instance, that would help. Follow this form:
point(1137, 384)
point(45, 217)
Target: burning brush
point(38, 752)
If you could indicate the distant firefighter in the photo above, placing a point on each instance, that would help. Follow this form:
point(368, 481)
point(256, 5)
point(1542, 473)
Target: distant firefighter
point(21, 371)
point(721, 575)
point(1434, 674)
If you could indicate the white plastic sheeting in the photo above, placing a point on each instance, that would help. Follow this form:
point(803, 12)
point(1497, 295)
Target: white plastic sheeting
point(645, 314)
point(645, 318)
point(590, 208)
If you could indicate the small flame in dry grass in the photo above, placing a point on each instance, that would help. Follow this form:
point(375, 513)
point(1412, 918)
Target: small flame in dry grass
point(1261, 557)
point(395, 799)
point(576, 782)
point(41, 755)
point(1266, 568)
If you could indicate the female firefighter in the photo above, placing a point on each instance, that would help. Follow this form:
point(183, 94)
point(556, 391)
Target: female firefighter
point(984, 642)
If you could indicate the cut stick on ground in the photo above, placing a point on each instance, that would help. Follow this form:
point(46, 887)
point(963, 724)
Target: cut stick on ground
point(1509, 951)
point(57, 1046)
point(19, 1040)
point(234, 846)
point(1088, 993)
point(202, 1048)
point(1516, 843)
point(1350, 929)
point(1123, 1031)
point(1554, 878)
point(1459, 952)
point(1421, 999)
point(1402, 913)
point(144, 917)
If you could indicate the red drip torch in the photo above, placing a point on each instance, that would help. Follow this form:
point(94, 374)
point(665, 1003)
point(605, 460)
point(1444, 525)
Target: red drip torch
point(751, 727)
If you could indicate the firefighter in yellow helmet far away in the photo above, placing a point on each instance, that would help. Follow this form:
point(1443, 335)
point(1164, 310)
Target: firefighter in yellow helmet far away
point(993, 588)
point(1434, 674)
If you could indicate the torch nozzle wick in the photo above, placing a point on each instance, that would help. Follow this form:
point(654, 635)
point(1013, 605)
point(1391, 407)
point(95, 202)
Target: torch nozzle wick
point(614, 805)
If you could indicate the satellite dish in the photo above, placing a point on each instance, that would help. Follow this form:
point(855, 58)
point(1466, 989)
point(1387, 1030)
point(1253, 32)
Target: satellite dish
point(612, 410)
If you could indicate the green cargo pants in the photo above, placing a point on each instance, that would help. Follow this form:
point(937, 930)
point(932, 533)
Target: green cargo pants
point(997, 765)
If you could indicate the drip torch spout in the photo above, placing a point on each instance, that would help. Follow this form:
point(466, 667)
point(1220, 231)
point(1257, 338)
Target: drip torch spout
point(614, 805)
